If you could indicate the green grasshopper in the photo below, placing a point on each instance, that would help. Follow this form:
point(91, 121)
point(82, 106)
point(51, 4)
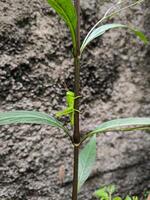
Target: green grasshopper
point(70, 98)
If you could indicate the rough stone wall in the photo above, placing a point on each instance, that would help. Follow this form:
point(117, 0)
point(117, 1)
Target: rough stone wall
point(35, 64)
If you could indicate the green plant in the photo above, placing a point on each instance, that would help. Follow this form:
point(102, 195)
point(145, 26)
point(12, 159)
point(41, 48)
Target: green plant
point(108, 193)
point(84, 161)
point(146, 194)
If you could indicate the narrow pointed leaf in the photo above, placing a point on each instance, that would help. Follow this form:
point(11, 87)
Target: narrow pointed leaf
point(102, 29)
point(87, 159)
point(141, 35)
point(66, 10)
point(98, 32)
point(124, 124)
point(28, 117)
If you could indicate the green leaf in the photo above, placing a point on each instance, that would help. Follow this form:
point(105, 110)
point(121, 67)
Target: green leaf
point(135, 198)
point(96, 32)
point(28, 117)
point(111, 189)
point(124, 124)
point(141, 35)
point(128, 198)
point(87, 159)
point(101, 193)
point(117, 198)
point(66, 10)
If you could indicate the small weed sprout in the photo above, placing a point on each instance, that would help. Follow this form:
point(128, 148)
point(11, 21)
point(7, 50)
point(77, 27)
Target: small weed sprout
point(108, 193)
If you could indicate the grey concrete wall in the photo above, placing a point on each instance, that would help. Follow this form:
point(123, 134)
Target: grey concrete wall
point(35, 63)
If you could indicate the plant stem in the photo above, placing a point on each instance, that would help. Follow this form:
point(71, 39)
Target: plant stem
point(76, 135)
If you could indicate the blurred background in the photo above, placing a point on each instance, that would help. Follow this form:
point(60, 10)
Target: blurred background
point(36, 65)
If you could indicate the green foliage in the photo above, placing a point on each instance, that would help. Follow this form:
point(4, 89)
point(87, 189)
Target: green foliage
point(87, 159)
point(111, 189)
point(146, 194)
point(124, 124)
point(135, 198)
point(128, 198)
point(140, 35)
point(102, 194)
point(29, 117)
point(107, 193)
point(66, 10)
point(96, 32)
point(117, 198)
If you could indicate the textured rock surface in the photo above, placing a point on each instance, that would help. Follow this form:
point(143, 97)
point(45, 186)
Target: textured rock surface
point(35, 62)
